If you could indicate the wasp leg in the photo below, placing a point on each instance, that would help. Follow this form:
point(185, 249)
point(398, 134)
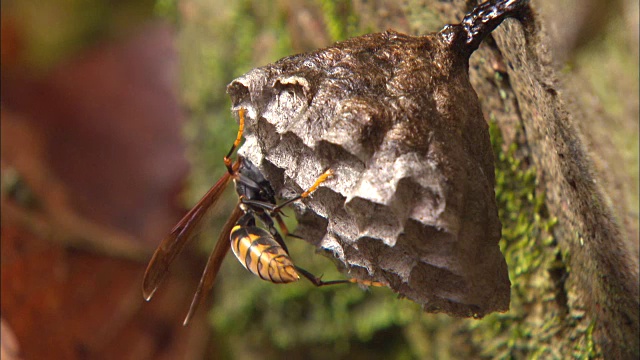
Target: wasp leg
point(227, 159)
point(318, 282)
point(268, 221)
point(283, 227)
point(275, 212)
point(261, 204)
point(322, 178)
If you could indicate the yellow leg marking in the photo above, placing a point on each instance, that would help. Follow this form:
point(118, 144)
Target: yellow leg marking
point(322, 178)
point(240, 128)
point(367, 282)
point(227, 159)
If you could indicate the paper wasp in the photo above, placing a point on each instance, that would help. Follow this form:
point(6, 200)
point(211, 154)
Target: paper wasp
point(263, 252)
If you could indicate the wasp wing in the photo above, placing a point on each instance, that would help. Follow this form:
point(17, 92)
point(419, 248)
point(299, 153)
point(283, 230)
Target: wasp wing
point(214, 263)
point(173, 244)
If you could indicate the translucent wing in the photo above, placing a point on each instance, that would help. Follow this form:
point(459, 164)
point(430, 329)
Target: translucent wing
point(173, 244)
point(214, 263)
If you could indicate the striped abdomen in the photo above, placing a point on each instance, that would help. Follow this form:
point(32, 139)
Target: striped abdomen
point(259, 252)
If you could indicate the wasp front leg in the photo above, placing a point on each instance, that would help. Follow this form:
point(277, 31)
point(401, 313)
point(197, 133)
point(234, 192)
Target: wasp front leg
point(227, 159)
point(322, 178)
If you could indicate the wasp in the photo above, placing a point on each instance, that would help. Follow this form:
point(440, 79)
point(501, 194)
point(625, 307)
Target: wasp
point(261, 250)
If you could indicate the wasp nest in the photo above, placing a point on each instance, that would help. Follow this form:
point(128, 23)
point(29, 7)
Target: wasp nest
point(412, 203)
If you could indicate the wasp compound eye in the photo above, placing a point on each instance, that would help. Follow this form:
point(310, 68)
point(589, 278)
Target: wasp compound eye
point(396, 117)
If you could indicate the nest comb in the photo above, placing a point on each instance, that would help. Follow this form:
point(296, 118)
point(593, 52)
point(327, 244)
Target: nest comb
point(412, 203)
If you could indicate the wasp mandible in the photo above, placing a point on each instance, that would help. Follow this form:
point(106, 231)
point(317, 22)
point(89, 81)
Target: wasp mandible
point(260, 250)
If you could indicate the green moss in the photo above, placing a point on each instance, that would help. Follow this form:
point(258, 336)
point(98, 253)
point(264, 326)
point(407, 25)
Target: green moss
point(530, 251)
point(541, 316)
point(339, 18)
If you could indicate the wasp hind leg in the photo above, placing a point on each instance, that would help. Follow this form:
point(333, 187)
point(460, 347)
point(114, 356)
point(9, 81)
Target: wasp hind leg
point(284, 228)
point(318, 282)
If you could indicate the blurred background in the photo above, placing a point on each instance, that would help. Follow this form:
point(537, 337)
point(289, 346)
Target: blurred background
point(115, 121)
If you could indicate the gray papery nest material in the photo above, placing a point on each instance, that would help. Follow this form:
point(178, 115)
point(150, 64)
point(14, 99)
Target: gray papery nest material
point(412, 203)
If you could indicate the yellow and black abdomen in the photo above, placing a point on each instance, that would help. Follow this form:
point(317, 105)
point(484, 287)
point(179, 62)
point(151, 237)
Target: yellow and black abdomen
point(261, 254)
